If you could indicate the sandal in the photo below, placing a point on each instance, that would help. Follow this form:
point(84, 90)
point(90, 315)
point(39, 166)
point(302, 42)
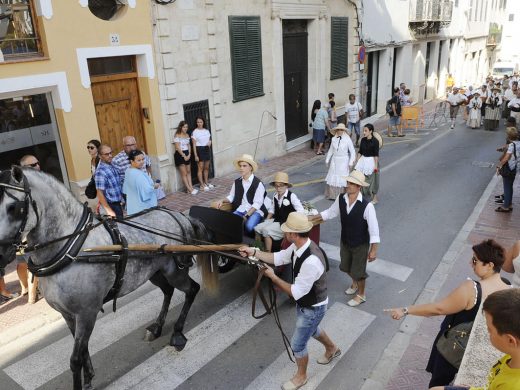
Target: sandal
point(500, 209)
point(354, 303)
point(499, 196)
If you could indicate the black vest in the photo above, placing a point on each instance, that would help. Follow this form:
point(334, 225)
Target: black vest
point(354, 228)
point(318, 291)
point(250, 194)
point(281, 212)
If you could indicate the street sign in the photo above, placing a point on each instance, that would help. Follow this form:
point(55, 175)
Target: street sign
point(361, 54)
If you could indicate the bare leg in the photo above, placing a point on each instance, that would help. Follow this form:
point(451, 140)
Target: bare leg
point(188, 176)
point(206, 172)
point(268, 243)
point(200, 169)
point(301, 372)
point(21, 270)
point(154, 331)
point(3, 289)
point(320, 146)
point(184, 177)
point(330, 347)
point(33, 293)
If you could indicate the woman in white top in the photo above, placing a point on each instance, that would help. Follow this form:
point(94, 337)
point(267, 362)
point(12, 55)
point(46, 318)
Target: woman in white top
point(182, 156)
point(340, 159)
point(475, 105)
point(509, 157)
point(512, 263)
point(201, 138)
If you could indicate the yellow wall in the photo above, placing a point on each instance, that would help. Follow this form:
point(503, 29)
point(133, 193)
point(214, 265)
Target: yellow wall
point(72, 27)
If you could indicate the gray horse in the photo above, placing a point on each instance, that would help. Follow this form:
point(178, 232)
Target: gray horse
point(37, 206)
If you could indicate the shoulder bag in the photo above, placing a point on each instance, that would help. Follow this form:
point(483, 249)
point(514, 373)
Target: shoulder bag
point(505, 169)
point(90, 190)
point(452, 343)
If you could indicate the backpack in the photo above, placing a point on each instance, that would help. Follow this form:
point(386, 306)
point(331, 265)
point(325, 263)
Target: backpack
point(389, 109)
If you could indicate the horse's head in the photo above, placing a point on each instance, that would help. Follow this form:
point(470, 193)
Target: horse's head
point(18, 213)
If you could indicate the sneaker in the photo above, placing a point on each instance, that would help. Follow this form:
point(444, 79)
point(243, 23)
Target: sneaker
point(194, 192)
point(206, 188)
point(451, 127)
point(211, 186)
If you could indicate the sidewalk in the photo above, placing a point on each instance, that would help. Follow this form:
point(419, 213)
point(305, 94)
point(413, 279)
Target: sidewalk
point(17, 318)
point(410, 372)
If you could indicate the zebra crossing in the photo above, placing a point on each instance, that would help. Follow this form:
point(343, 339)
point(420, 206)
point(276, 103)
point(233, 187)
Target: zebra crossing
point(209, 340)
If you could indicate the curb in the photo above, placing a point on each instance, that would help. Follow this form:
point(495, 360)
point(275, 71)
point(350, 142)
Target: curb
point(391, 357)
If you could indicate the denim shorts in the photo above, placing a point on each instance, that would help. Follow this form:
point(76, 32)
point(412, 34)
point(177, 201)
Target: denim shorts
point(307, 325)
point(354, 126)
point(394, 120)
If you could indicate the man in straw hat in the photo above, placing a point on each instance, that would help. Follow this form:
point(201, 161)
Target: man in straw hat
point(359, 234)
point(309, 289)
point(247, 194)
point(284, 202)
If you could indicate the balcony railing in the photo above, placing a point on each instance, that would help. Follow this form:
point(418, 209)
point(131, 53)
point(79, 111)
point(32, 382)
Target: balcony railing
point(430, 11)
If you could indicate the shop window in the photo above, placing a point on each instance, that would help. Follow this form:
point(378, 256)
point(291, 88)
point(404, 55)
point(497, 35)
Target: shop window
point(246, 57)
point(339, 48)
point(18, 30)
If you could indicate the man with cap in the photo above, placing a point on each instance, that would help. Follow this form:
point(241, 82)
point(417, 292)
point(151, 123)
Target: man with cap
point(309, 290)
point(359, 234)
point(455, 99)
point(284, 202)
point(247, 195)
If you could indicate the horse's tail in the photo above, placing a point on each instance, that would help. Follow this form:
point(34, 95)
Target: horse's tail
point(207, 262)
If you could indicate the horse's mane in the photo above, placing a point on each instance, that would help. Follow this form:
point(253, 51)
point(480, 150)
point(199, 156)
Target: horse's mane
point(38, 178)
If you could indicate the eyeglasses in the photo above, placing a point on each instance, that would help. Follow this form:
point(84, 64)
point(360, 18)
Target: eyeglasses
point(37, 163)
point(130, 145)
point(90, 147)
point(106, 154)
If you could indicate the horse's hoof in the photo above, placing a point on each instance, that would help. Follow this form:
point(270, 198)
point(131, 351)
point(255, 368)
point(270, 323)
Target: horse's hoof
point(153, 332)
point(178, 341)
point(88, 386)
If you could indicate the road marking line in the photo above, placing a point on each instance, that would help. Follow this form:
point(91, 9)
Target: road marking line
point(168, 369)
point(354, 322)
point(54, 359)
point(379, 266)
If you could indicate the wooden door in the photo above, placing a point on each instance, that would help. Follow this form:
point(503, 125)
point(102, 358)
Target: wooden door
point(118, 111)
point(295, 84)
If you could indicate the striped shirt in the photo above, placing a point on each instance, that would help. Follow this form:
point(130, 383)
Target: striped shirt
point(107, 180)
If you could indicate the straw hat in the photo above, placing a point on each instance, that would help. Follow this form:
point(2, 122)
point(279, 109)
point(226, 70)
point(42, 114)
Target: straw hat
point(358, 178)
point(340, 126)
point(377, 136)
point(296, 223)
point(281, 177)
point(495, 88)
point(246, 158)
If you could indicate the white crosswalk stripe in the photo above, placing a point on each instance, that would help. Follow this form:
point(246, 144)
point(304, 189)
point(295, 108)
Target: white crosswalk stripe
point(379, 266)
point(281, 370)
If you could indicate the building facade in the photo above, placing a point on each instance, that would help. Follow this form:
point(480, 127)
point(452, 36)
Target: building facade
point(71, 71)
point(252, 69)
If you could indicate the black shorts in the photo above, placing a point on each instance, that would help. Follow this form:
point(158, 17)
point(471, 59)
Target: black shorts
point(203, 153)
point(179, 160)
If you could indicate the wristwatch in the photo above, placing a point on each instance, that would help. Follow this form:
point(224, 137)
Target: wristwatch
point(405, 311)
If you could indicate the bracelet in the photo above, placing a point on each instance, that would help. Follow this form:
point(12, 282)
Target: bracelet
point(254, 253)
point(405, 311)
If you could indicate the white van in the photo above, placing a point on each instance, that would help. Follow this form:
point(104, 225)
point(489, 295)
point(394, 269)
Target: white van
point(504, 68)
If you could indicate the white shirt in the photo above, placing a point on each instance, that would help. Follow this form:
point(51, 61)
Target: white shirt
point(484, 94)
point(512, 80)
point(493, 96)
point(515, 102)
point(468, 93)
point(509, 94)
point(310, 271)
point(369, 215)
point(455, 99)
point(201, 137)
point(511, 150)
point(352, 111)
point(294, 200)
point(258, 199)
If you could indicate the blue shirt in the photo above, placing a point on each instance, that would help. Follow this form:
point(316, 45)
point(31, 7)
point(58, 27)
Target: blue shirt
point(107, 180)
point(122, 163)
point(140, 194)
point(320, 120)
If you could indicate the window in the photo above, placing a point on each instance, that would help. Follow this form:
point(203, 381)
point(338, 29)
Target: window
point(511, 17)
point(18, 32)
point(338, 48)
point(246, 57)
point(111, 65)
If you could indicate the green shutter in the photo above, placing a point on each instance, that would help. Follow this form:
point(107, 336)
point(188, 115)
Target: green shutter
point(246, 57)
point(338, 48)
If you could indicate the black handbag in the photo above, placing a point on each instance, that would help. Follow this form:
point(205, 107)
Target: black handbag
point(505, 169)
point(90, 190)
point(452, 343)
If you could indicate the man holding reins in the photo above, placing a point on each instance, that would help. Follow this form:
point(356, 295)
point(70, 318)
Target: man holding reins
point(309, 290)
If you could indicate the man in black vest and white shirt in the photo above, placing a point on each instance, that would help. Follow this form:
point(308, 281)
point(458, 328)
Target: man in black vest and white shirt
point(247, 195)
point(309, 289)
point(359, 234)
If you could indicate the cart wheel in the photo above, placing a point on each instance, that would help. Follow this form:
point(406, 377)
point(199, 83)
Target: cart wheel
point(225, 264)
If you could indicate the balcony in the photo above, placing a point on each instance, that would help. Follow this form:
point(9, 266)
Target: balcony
point(429, 16)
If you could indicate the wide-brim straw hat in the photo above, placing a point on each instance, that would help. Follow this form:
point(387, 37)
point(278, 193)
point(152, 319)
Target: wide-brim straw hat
point(340, 126)
point(281, 177)
point(496, 88)
point(377, 136)
point(296, 223)
point(358, 178)
point(248, 159)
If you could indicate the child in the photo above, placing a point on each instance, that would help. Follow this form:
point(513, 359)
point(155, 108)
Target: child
point(475, 105)
point(284, 202)
point(354, 111)
point(502, 311)
point(333, 117)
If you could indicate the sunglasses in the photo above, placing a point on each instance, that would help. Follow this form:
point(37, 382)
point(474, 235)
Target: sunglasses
point(37, 163)
point(90, 147)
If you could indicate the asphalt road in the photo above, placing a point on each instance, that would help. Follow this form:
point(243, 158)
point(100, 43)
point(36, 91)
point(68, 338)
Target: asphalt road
point(430, 184)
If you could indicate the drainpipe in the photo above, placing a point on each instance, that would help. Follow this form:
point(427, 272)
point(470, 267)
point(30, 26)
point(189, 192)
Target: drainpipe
point(358, 7)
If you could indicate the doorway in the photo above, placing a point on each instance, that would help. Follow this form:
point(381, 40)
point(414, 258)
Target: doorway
point(372, 82)
point(116, 100)
point(295, 71)
point(427, 68)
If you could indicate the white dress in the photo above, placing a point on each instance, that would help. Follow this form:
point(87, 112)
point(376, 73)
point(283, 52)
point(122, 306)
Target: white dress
point(341, 155)
point(474, 116)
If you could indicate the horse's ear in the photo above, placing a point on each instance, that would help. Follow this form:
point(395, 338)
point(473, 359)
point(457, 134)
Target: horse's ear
point(17, 174)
